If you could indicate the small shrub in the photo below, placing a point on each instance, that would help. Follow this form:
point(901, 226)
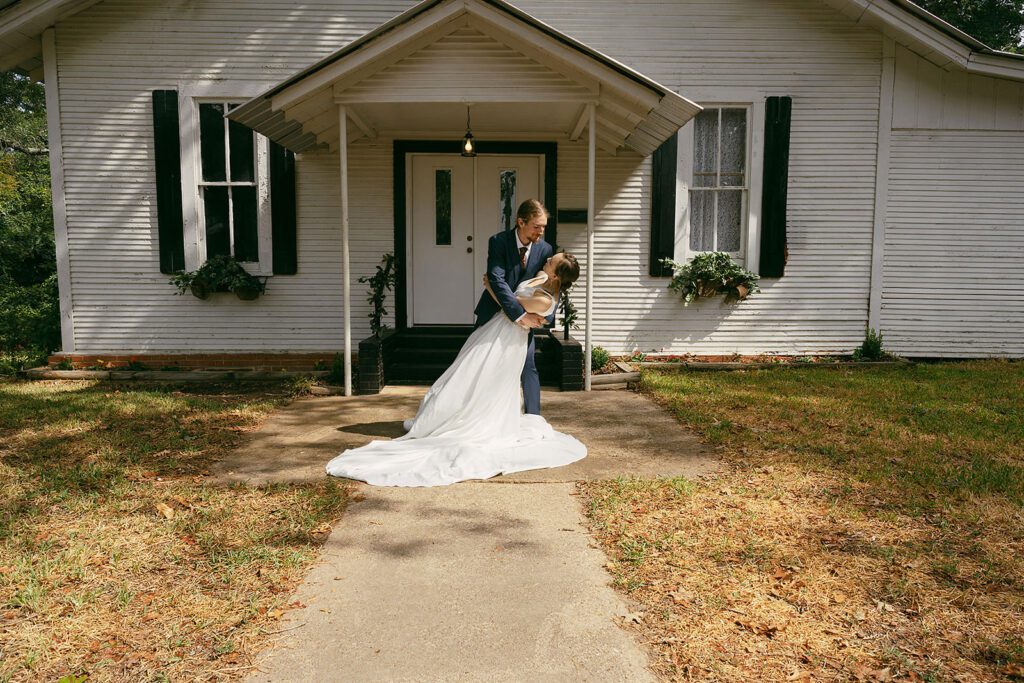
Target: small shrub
point(871, 349)
point(64, 364)
point(337, 373)
point(598, 357)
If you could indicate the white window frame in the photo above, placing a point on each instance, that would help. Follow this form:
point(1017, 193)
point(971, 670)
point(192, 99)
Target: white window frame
point(750, 249)
point(190, 96)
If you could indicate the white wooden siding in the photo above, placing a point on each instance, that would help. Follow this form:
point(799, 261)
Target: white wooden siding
point(113, 55)
point(721, 52)
point(110, 58)
point(927, 97)
point(953, 283)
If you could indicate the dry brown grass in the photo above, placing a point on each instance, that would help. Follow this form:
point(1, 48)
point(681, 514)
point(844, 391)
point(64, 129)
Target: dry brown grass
point(867, 527)
point(118, 560)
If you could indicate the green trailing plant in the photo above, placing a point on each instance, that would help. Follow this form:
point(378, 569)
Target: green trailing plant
point(709, 274)
point(569, 313)
point(871, 348)
point(598, 358)
point(220, 274)
point(380, 283)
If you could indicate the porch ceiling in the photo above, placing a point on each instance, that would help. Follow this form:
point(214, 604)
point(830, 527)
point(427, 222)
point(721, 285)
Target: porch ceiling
point(417, 73)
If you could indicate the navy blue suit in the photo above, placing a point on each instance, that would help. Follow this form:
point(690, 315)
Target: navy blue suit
point(505, 272)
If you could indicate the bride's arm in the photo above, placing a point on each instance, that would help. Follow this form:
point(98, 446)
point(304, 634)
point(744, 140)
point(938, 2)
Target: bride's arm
point(532, 304)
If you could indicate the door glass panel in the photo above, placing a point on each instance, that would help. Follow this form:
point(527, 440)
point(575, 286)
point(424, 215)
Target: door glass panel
point(443, 206)
point(507, 199)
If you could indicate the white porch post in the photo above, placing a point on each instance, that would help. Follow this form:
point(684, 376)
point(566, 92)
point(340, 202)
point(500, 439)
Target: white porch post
point(591, 163)
point(343, 156)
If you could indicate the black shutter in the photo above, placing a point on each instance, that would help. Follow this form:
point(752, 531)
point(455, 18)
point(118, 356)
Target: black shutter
point(167, 151)
point(282, 209)
point(778, 112)
point(663, 205)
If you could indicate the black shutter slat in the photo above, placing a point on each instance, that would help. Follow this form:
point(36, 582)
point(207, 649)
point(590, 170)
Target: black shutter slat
point(663, 205)
point(282, 209)
point(778, 113)
point(167, 153)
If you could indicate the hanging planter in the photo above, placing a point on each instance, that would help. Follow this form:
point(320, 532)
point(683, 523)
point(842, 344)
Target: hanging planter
point(220, 274)
point(709, 274)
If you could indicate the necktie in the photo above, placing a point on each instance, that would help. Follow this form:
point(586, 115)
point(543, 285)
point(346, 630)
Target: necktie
point(522, 256)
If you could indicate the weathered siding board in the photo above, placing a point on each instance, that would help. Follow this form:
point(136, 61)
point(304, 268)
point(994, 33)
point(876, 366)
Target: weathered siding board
point(954, 248)
point(110, 57)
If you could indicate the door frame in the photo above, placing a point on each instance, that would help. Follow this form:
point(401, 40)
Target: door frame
point(402, 148)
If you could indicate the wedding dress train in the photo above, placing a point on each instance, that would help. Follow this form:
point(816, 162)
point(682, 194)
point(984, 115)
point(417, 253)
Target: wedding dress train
point(469, 425)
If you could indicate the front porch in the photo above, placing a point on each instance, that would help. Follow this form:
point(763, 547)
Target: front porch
point(415, 83)
point(419, 355)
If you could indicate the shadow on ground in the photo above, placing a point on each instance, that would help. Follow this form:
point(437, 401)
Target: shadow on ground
point(626, 434)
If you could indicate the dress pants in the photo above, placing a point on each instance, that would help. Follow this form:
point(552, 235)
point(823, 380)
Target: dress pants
point(531, 382)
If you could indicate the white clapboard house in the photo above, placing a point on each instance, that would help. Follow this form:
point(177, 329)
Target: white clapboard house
point(864, 157)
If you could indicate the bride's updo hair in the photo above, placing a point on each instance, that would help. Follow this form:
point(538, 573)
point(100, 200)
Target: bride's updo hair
point(530, 209)
point(568, 271)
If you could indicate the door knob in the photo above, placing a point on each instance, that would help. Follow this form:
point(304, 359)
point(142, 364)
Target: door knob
point(469, 238)
point(469, 250)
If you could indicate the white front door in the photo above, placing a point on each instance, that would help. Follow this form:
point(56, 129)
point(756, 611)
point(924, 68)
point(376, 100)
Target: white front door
point(457, 203)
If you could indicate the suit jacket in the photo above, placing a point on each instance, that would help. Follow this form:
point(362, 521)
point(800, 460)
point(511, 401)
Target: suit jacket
point(504, 272)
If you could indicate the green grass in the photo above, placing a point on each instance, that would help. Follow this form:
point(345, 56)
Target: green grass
point(928, 432)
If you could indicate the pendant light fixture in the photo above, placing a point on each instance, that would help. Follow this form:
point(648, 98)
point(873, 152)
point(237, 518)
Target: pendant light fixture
point(468, 145)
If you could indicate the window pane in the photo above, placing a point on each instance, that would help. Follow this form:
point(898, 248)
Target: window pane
point(243, 206)
point(730, 204)
point(702, 220)
point(211, 140)
point(734, 144)
point(705, 144)
point(704, 179)
point(443, 206)
point(218, 240)
point(507, 199)
point(241, 139)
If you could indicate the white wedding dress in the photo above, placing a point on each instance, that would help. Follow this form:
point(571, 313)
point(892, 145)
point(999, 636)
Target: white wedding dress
point(470, 424)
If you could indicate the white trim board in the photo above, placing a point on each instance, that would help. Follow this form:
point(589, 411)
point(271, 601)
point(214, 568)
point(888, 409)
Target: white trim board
point(60, 213)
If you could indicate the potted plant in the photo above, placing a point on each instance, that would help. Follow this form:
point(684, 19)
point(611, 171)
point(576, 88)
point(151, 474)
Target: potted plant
point(709, 274)
point(220, 274)
point(373, 349)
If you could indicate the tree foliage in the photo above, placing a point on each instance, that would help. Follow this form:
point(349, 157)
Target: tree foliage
point(29, 308)
point(997, 23)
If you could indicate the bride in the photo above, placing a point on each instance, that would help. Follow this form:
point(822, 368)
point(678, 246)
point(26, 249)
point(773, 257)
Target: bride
point(470, 424)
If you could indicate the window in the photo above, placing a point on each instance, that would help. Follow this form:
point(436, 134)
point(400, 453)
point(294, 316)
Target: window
point(716, 184)
point(227, 184)
point(228, 208)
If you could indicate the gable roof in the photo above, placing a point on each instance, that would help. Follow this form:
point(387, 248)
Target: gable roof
point(632, 110)
point(23, 21)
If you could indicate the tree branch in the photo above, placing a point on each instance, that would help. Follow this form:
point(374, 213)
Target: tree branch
point(7, 146)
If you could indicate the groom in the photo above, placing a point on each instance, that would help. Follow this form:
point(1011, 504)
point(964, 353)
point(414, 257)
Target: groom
point(514, 256)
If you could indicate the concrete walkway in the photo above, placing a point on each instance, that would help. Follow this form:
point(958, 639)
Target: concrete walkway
point(469, 582)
